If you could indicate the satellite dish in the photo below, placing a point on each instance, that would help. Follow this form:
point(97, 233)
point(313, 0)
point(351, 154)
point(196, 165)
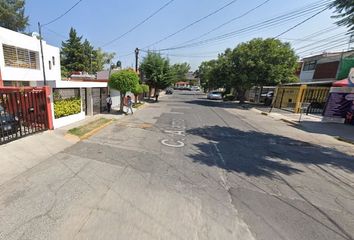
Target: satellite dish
point(35, 34)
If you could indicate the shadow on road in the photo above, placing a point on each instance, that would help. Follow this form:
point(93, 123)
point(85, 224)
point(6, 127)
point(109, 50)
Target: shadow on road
point(218, 103)
point(262, 154)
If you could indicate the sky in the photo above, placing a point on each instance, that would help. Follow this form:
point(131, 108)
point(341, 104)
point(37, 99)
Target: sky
point(104, 20)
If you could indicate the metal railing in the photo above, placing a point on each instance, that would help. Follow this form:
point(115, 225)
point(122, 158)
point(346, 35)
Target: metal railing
point(22, 112)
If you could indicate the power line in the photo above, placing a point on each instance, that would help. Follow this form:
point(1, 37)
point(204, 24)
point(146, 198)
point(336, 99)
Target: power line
point(56, 33)
point(302, 22)
point(324, 50)
point(62, 15)
point(191, 24)
point(324, 40)
point(259, 26)
point(228, 22)
point(139, 24)
point(326, 45)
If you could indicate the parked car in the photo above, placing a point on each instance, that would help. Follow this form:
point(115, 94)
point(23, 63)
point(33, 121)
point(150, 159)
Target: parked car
point(9, 124)
point(195, 88)
point(268, 98)
point(214, 95)
point(169, 91)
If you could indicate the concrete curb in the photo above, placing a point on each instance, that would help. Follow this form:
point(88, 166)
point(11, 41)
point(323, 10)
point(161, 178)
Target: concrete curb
point(289, 121)
point(344, 140)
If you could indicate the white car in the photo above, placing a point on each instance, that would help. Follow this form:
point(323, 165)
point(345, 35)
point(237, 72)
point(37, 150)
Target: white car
point(214, 95)
point(195, 88)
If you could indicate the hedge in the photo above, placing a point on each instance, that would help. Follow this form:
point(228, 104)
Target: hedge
point(67, 107)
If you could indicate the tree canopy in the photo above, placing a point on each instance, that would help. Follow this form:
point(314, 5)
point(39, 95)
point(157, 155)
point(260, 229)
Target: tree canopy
point(157, 70)
point(179, 71)
point(160, 73)
point(82, 56)
point(259, 62)
point(344, 10)
point(12, 15)
point(124, 81)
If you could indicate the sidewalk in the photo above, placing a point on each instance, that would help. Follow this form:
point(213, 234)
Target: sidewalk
point(310, 123)
point(23, 154)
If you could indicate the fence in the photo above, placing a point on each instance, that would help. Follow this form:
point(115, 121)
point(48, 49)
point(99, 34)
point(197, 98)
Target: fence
point(291, 98)
point(23, 111)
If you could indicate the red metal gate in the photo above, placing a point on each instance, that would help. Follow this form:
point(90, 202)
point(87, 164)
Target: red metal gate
point(23, 111)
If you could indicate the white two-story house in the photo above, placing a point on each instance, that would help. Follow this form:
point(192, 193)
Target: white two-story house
point(21, 65)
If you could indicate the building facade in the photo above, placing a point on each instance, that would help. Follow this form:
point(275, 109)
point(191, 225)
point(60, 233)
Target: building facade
point(21, 66)
point(326, 66)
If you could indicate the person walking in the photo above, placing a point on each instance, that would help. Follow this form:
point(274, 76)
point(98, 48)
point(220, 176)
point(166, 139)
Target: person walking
point(129, 104)
point(109, 103)
point(157, 92)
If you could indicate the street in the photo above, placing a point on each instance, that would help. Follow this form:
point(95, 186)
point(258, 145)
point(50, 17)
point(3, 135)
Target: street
point(187, 168)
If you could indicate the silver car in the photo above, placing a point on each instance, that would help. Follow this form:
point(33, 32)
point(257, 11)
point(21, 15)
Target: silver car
point(214, 95)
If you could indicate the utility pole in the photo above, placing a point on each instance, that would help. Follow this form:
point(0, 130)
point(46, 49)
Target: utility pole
point(136, 59)
point(40, 41)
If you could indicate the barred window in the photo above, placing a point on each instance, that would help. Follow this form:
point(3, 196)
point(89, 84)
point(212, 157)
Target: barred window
point(20, 57)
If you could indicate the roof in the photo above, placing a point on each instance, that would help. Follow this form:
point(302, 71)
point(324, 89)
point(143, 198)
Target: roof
point(327, 54)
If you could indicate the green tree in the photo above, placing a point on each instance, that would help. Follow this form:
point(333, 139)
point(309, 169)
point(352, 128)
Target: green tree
point(89, 54)
point(72, 54)
point(205, 73)
point(12, 15)
point(82, 56)
point(179, 71)
point(261, 62)
point(137, 91)
point(100, 59)
point(157, 71)
point(124, 81)
point(344, 10)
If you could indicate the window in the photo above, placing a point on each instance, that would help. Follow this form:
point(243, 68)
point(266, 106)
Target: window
point(310, 65)
point(53, 60)
point(50, 65)
point(20, 57)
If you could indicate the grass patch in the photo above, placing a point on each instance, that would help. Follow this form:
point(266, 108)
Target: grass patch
point(87, 128)
point(136, 105)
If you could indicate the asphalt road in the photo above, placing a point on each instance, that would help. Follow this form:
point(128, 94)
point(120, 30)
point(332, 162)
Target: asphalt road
point(187, 168)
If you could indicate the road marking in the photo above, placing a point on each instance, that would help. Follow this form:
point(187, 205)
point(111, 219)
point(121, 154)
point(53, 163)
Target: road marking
point(181, 113)
point(181, 133)
point(179, 145)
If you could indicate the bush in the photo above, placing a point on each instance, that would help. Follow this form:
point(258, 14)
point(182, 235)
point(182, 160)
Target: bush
point(67, 107)
point(229, 97)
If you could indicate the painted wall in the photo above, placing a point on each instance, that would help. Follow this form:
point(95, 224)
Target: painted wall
point(12, 38)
